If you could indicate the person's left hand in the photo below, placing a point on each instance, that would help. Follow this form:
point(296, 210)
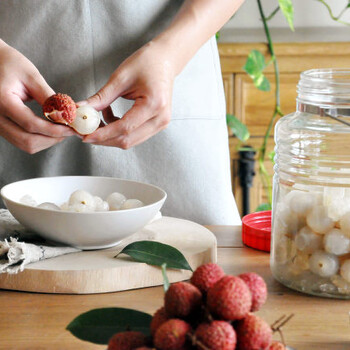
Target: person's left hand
point(147, 77)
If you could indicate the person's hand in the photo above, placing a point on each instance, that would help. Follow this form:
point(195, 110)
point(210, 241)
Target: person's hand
point(146, 77)
point(20, 81)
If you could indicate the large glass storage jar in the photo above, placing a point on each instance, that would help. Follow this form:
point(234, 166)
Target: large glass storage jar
point(311, 188)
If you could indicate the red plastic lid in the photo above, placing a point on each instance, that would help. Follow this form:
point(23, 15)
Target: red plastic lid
point(256, 230)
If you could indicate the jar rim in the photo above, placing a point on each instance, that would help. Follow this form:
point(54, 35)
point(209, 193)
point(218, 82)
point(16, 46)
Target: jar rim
point(331, 75)
point(325, 88)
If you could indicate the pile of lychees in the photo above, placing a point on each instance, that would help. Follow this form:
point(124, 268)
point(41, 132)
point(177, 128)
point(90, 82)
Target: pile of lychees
point(212, 312)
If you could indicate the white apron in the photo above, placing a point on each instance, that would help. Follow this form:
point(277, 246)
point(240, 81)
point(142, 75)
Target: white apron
point(76, 45)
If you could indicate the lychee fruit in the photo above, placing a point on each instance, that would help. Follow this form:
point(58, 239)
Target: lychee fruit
point(181, 299)
point(276, 345)
point(257, 287)
point(86, 121)
point(205, 276)
point(60, 108)
point(126, 340)
point(253, 333)
point(158, 319)
point(172, 335)
point(229, 298)
point(217, 335)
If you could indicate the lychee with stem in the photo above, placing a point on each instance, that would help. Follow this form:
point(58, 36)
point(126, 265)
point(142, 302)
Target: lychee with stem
point(218, 335)
point(253, 333)
point(182, 299)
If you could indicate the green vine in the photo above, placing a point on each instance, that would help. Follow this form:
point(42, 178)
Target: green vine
point(254, 67)
point(336, 18)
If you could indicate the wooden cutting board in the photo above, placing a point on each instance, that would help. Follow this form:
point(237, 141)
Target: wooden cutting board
point(99, 272)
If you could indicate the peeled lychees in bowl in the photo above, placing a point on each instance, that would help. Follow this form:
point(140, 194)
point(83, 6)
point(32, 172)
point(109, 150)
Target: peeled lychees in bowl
point(60, 108)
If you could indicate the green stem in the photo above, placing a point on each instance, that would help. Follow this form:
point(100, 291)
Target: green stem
point(277, 110)
point(272, 14)
point(335, 18)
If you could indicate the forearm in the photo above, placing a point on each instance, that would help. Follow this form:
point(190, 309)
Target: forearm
point(194, 24)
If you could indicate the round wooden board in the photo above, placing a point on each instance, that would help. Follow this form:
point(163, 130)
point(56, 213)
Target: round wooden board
point(99, 272)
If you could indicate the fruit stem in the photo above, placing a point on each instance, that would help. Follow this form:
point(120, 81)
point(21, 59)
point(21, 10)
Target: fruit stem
point(196, 342)
point(278, 324)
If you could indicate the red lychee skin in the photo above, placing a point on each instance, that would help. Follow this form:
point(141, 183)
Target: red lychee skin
point(218, 335)
point(257, 287)
point(253, 333)
point(60, 108)
point(172, 335)
point(276, 345)
point(126, 340)
point(229, 299)
point(158, 319)
point(205, 276)
point(181, 299)
point(144, 348)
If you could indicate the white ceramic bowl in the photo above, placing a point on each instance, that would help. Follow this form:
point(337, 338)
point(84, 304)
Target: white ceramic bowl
point(95, 230)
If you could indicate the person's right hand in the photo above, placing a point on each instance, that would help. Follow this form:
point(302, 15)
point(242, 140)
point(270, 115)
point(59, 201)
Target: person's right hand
point(21, 81)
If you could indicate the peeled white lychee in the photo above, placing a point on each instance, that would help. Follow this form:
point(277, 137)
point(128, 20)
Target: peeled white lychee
point(81, 208)
point(307, 241)
point(336, 243)
point(318, 220)
point(301, 202)
point(324, 264)
point(86, 121)
point(27, 199)
point(49, 205)
point(100, 204)
point(81, 197)
point(286, 221)
point(131, 204)
point(115, 200)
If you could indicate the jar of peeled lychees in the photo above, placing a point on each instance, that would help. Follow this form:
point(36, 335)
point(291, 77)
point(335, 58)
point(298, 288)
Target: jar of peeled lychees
point(310, 249)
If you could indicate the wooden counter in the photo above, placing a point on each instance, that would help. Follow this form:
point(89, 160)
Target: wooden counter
point(37, 321)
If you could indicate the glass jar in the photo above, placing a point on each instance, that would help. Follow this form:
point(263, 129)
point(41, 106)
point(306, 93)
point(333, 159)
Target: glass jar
point(310, 249)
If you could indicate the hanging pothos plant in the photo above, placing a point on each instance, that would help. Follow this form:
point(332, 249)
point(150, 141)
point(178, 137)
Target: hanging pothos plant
point(254, 67)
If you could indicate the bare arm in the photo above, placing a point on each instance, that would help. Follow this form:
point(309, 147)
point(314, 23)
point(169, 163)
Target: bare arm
point(148, 75)
point(196, 22)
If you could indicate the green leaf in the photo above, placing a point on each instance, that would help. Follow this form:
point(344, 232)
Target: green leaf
point(156, 253)
point(254, 67)
point(98, 325)
point(237, 127)
point(255, 63)
point(263, 206)
point(288, 11)
point(165, 278)
point(261, 82)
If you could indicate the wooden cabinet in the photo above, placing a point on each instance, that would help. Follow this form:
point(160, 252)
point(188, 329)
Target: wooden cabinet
point(255, 108)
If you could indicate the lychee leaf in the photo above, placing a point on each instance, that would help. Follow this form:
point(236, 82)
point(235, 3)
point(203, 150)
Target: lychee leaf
point(98, 325)
point(156, 253)
point(288, 11)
